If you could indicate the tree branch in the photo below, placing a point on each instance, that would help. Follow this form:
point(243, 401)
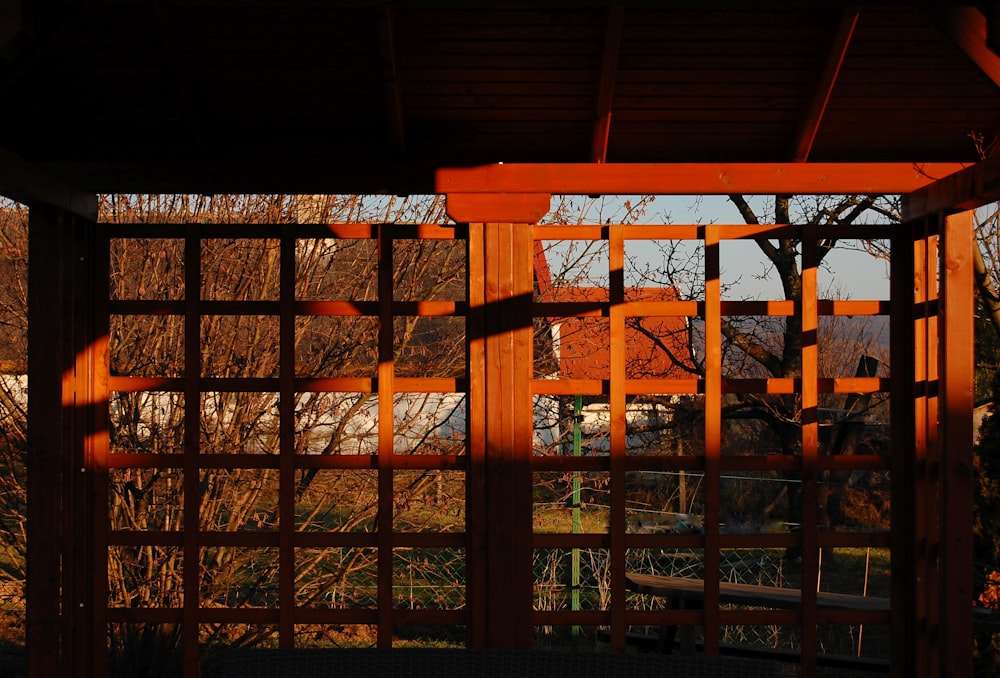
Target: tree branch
point(753, 348)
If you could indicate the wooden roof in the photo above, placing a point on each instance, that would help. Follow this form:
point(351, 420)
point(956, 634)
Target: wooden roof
point(306, 96)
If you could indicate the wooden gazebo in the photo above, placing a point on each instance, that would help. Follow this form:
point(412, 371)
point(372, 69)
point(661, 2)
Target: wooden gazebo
point(499, 109)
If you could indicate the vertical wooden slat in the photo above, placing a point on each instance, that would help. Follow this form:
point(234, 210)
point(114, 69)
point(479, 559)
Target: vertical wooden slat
point(616, 261)
point(386, 427)
point(957, 362)
point(75, 474)
point(78, 570)
point(910, 493)
point(192, 421)
point(499, 530)
point(99, 441)
point(520, 371)
point(499, 474)
point(475, 488)
point(286, 442)
point(810, 448)
point(713, 434)
point(902, 442)
point(929, 478)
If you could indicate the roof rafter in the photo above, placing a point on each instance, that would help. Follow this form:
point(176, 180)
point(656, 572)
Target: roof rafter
point(35, 34)
point(966, 26)
point(24, 182)
point(182, 81)
point(827, 80)
point(390, 79)
point(606, 85)
point(11, 22)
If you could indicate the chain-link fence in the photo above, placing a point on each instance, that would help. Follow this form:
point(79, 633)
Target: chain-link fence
point(555, 588)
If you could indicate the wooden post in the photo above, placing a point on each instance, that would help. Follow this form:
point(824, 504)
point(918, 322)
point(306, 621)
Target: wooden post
point(811, 562)
point(65, 401)
point(713, 435)
point(913, 405)
point(501, 553)
point(957, 364)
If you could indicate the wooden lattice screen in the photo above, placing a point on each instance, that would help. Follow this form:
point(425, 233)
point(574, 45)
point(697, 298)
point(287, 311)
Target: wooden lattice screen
point(156, 439)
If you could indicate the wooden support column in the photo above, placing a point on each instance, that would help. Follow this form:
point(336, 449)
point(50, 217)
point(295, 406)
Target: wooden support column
point(67, 408)
point(501, 554)
point(713, 434)
point(956, 367)
point(618, 431)
point(809, 318)
point(932, 358)
point(386, 444)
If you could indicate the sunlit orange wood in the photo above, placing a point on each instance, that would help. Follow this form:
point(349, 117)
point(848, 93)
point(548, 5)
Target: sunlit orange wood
point(508, 345)
point(713, 435)
point(498, 206)
point(386, 439)
point(809, 320)
point(519, 372)
point(929, 507)
point(616, 291)
point(957, 365)
point(475, 482)
point(690, 179)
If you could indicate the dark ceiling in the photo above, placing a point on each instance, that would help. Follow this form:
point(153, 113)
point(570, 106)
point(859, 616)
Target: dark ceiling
point(307, 96)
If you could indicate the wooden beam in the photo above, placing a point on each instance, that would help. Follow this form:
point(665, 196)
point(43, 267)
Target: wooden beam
point(824, 87)
point(692, 178)
point(967, 27)
point(968, 189)
point(606, 86)
point(22, 181)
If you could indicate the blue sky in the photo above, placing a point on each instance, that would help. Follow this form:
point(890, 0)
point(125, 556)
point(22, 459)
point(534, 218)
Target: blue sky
point(848, 272)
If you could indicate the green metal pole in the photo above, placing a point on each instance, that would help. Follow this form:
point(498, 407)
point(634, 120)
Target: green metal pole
point(575, 502)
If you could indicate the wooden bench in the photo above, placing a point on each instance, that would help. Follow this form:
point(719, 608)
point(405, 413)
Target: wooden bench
point(683, 592)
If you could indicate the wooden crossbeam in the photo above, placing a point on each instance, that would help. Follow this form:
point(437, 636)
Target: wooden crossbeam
point(965, 190)
point(692, 178)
